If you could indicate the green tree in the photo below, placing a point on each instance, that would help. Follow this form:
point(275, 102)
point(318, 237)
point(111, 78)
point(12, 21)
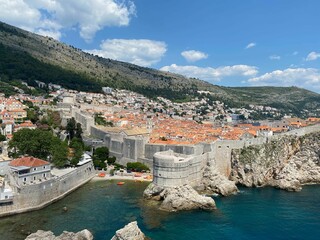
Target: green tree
point(242, 117)
point(39, 143)
point(2, 138)
point(111, 160)
point(59, 153)
point(77, 145)
point(137, 166)
point(71, 127)
point(32, 115)
point(99, 119)
point(78, 131)
point(100, 155)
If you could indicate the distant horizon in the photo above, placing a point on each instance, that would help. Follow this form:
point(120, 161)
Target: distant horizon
point(229, 43)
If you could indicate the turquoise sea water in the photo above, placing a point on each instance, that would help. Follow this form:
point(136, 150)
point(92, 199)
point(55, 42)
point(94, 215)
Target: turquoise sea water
point(103, 207)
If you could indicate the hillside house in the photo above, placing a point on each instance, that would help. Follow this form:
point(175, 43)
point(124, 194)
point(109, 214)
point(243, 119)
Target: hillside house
point(30, 170)
point(27, 124)
point(16, 114)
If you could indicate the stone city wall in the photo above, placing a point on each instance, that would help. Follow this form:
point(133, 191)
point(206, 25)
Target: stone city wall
point(219, 152)
point(37, 196)
point(124, 148)
point(84, 119)
point(302, 131)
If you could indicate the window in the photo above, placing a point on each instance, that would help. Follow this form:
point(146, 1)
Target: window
point(34, 169)
point(44, 175)
point(24, 179)
point(44, 167)
point(34, 178)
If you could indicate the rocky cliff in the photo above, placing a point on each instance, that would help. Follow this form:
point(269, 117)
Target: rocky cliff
point(215, 183)
point(286, 163)
point(179, 198)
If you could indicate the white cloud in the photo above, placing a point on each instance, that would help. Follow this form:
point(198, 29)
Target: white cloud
point(302, 77)
point(212, 74)
point(295, 53)
point(193, 55)
point(274, 57)
point(313, 56)
point(51, 16)
point(251, 45)
point(142, 52)
point(19, 13)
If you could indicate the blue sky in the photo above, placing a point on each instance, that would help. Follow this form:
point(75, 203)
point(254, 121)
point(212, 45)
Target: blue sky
point(230, 43)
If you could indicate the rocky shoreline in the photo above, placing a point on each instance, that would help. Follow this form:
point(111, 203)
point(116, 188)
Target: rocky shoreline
point(178, 198)
point(129, 232)
point(287, 163)
point(215, 183)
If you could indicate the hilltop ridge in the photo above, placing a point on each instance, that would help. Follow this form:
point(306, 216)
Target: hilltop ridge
point(27, 56)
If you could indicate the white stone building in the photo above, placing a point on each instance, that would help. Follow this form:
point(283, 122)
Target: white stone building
point(30, 170)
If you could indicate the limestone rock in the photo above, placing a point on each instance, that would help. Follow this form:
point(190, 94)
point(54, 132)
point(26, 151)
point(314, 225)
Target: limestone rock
point(48, 235)
point(286, 163)
point(214, 182)
point(184, 198)
point(291, 186)
point(41, 235)
point(153, 192)
point(130, 232)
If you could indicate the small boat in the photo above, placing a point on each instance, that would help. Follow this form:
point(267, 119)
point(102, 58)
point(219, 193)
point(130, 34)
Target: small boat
point(120, 183)
point(102, 174)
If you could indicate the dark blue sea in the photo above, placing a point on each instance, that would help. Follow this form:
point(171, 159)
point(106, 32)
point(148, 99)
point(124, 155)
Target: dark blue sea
point(103, 207)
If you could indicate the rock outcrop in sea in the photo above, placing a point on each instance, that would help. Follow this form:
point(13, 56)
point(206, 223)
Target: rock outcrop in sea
point(215, 183)
point(152, 192)
point(130, 232)
point(179, 198)
point(48, 235)
point(286, 163)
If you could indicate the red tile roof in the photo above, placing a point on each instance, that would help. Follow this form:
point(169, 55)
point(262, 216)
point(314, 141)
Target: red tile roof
point(28, 162)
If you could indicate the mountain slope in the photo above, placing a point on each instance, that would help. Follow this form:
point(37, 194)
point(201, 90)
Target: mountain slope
point(28, 57)
point(106, 72)
point(292, 99)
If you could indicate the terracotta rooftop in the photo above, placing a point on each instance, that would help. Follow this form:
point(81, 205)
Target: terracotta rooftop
point(28, 162)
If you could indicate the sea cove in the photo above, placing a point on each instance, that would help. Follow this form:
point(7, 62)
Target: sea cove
point(103, 207)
